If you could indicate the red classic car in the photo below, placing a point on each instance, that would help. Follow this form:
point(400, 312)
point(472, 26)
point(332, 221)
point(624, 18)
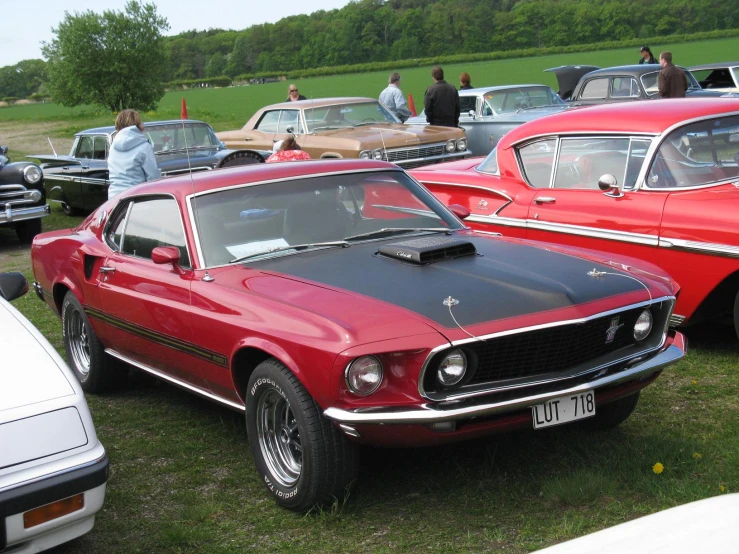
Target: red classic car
point(339, 302)
point(654, 180)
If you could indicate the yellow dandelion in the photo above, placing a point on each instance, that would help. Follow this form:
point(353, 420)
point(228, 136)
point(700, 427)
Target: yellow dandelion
point(697, 455)
point(658, 468)
point(721, 488)
point(694, 382)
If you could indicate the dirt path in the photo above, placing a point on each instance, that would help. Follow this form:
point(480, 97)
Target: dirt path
point(24, 138)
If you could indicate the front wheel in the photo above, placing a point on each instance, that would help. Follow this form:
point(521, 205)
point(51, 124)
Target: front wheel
point(612, 414)
point(94, 369)
point(301, 457)
point(27, 229)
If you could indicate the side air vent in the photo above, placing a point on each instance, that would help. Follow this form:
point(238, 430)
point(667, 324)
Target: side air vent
point(428, 250)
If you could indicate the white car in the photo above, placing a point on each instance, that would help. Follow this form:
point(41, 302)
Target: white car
point(53, 469)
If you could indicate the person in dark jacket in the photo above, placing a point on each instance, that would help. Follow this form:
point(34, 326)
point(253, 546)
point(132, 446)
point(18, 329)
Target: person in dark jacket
point(464, 82)
point(672, 81)
point(441, 101)
point(292, 94)
point(646, 56)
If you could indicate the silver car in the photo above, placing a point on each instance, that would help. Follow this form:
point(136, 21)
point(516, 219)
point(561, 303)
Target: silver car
point(488, 113)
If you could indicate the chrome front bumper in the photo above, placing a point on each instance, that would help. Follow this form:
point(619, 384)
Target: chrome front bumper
point(435, 413)
point(10, 215)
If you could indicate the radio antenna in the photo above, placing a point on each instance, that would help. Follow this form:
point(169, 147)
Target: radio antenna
point(52, 147)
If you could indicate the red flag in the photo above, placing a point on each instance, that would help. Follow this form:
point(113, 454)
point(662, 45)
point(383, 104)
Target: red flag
point(411, 105)
point(183, 111)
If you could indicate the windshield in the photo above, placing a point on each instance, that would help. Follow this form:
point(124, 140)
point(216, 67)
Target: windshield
point(649, 82)
point(340, 116)
point(319, 211)
point(176, 136)
point(523, 98)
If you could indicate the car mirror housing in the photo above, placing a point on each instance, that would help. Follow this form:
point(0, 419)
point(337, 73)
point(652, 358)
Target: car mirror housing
point(610, 186)
point(166, 255)
point(471, 113)
point(460, 211)
point(13, 285)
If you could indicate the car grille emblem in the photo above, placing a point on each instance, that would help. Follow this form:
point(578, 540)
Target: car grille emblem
point(482, 205)
point(611, 331)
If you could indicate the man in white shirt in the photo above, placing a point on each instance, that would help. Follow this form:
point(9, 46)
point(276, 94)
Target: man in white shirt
point(392, 98)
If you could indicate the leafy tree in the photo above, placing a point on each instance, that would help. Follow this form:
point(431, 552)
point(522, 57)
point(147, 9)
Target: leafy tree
point(116, 59)
point(216, 65)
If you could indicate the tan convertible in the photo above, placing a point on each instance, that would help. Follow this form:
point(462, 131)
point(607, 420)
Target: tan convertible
point(348, 128)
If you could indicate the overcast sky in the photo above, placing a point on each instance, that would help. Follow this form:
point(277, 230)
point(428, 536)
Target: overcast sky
point(25, 23)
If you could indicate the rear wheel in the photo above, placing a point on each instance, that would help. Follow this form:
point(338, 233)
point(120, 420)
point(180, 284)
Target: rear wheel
point(69, 210)
point(612, 414)
point(94, 369)
point(301, 457)
point(26, 230)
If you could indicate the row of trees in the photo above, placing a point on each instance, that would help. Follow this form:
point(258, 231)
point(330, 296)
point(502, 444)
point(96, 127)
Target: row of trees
point(122, 59)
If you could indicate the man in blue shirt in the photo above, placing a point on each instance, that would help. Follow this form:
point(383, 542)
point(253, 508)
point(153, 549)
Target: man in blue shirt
point(392, 98)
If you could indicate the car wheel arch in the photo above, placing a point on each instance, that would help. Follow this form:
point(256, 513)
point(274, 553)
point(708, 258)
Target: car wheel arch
point(331, 156)
point(715, 302)
point(59, 292)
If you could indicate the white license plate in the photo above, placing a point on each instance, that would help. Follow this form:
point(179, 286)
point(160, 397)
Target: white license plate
point(564, 409)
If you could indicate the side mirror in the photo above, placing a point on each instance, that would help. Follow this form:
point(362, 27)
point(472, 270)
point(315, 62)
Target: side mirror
point(13, 285)
point(3, 150)
point(460, 211)
point(166, 255)
point(610, 186)
point(291, 130)
point(472, 114)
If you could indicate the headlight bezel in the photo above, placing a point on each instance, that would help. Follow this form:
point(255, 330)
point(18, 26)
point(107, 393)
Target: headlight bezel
point(378, 154)
point(450, 146)
point(454, 381)
point(461, 145)
point(36, 171)
point(350, 383)
point(365, 155)
point(640, 336)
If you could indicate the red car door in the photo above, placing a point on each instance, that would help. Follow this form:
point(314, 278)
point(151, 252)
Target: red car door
point(146, 306)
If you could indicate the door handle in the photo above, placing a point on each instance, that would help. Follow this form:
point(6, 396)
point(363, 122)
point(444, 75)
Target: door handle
point(545, 200)
point(85, 167)
point(105, 269)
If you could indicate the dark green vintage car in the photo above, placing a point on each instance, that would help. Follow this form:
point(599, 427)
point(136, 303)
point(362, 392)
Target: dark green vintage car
point(22, 197)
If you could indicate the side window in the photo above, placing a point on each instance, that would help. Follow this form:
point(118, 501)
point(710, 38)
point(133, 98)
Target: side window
point(289, 118)
point(115, 227)
point(649, 82)
point(100, 148)
point(583, 161)
point(637, 155)
point(85, 148)
point(152, 223)
point(624, 87)
point(467, 103)
point(537, 160)
point(268, 123)
point(595, 89)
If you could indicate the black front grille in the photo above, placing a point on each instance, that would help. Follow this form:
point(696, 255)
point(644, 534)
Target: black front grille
point(413, 153)
point(543, 352)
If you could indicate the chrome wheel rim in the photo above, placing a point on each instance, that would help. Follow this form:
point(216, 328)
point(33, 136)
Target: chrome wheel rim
point(279, 438)
point(78, 338)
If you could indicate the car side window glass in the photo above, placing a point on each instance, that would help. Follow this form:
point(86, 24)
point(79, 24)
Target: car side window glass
point(467, 103)
point(116, 224)
point(595, 89)
point(99, 150)
point(537, 160)
point(153, 223)
point(268, 122)
point(637, 155)
point(582, 161)
point(697, 154)
point(649, 82)
point(85, 148)
point(624, 87)
point(289, 119)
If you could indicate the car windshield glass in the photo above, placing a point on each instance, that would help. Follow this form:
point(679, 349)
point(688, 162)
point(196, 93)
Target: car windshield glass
point(698, 154)
point(490, 163)
point(649, 82)
point(523, 98)
point(312, 213)
point(178, 136)
point(339, 116)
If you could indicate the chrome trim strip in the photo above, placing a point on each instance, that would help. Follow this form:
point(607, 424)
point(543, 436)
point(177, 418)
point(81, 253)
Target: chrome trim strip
point(676, 320)
point(714, 249)
point(485, 189)
point(497, 220)
point(452, 344)
point(451, 157)
point(607, 234)
point(429, 413)
point(182, 384)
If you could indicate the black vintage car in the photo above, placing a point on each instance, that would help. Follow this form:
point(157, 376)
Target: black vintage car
point(584, 85)
point(22, 197)
point(80, 180)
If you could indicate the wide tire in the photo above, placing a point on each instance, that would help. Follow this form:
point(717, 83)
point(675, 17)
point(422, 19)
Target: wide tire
point(95, 370)
point(26, 230)
point(69, 210)
point(303, 459)
point(612, 414)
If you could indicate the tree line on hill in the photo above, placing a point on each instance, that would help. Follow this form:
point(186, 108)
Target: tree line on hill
point(384, 30)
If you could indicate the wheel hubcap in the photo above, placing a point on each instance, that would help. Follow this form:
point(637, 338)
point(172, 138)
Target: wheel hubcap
point(279, 438)
point(78, 342)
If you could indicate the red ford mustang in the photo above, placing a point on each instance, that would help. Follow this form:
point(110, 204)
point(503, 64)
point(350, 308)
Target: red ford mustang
point(339, 302)
point(654, 180)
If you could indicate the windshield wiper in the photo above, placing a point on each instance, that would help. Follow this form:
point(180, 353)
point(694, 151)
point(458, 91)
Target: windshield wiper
point(325, 128)
point(394, 230)
point(370, 123)
point(290, 247)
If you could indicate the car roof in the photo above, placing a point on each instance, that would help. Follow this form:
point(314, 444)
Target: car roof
point(110, 129)
point(641, 116)
point(482, 90)
point(319, 102)
point(714, 65)
point(635, 69)
point(186, 184)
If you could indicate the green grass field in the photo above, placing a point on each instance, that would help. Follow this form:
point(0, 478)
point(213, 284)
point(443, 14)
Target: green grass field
point(182, 478)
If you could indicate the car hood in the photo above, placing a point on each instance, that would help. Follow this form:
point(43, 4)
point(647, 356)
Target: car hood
point(30, 372)
point(504, 282)
point(394, 135)
point(568, 76)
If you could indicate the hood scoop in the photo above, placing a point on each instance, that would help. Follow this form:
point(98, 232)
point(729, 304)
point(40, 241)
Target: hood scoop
point(428, 250)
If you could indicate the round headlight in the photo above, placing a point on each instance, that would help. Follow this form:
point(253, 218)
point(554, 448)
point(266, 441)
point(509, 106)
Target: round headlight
point(461, 145)
point(32, 174)
point(364, 375)
point(377, 154)
point(643, 325)
point(452, 368)
point(451, 146)
point(364, 155)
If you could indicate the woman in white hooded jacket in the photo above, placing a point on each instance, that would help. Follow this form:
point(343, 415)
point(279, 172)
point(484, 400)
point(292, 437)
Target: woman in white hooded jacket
point(131, 159)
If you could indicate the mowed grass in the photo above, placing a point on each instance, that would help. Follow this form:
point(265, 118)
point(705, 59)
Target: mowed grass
point(182, 478)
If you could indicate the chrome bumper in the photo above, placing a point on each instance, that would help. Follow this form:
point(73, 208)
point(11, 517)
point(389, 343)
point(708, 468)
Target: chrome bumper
point(434, 413)
point(9, 215)
point(431, 159)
